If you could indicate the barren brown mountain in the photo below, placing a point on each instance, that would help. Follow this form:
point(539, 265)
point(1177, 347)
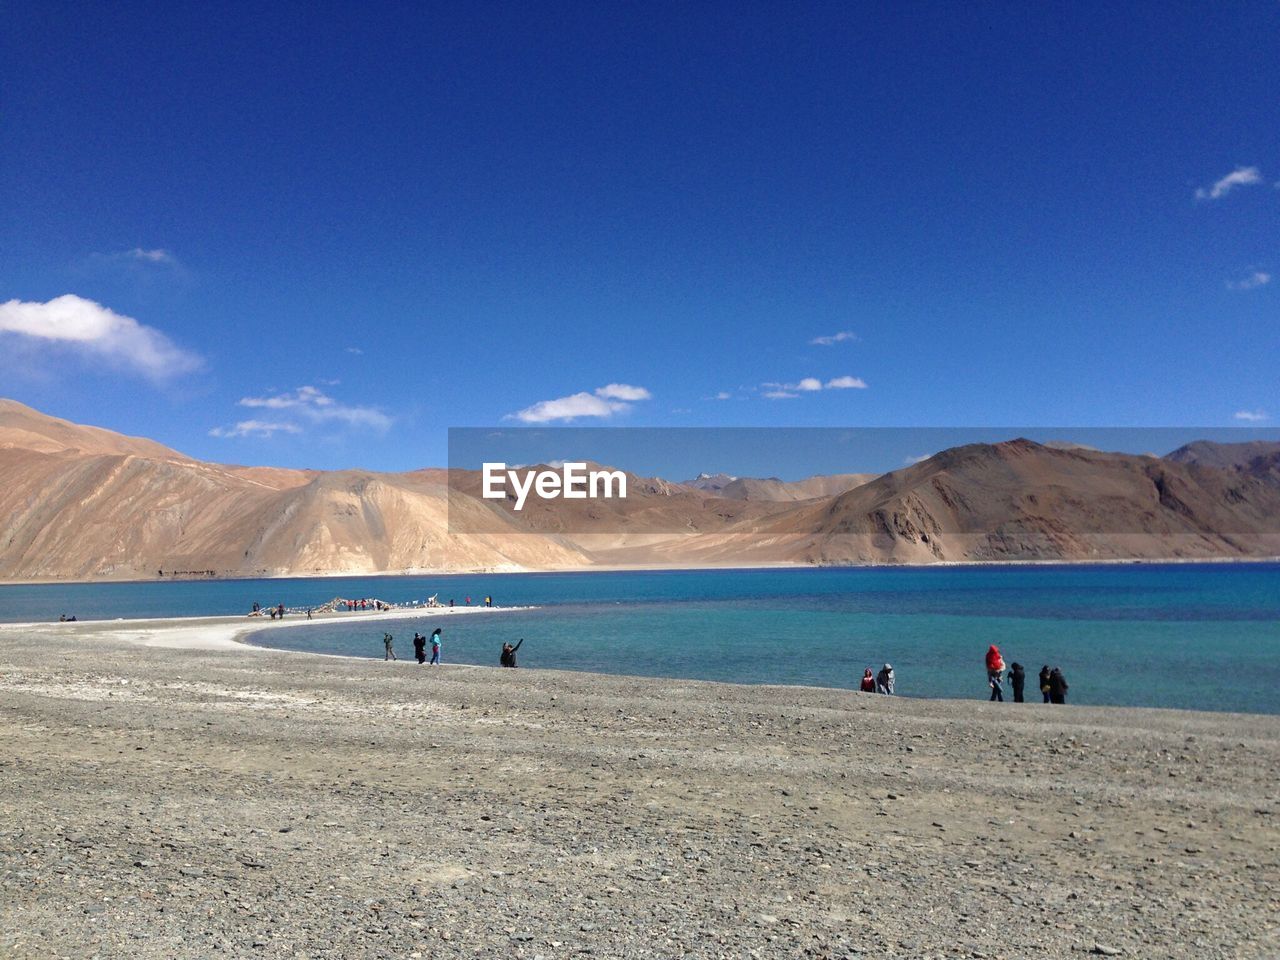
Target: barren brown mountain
point(86, 503)
point(1021, 500)
point(125, 508)
point(1207, 453)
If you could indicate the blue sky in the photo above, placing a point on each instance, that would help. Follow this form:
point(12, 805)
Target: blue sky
point(320, 235)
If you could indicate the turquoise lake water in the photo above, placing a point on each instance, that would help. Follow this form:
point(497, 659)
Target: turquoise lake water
point(1178, 635)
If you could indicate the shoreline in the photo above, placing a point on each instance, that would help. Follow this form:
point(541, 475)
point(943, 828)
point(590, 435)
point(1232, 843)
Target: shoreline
point(654, 568)
point(221, 632)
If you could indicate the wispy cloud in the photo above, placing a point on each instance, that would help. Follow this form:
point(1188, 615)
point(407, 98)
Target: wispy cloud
point(847, 383)
point(307, 404)
point(722, 395)
point(833, 339)
point(155, 255)
point(1252, 416)
point(912, 461)
point(789, 391)
point(602, 403)
point(255, 428)
point(1239, 177)
point(356, 351)
point(1256, 279)
point(96, 332)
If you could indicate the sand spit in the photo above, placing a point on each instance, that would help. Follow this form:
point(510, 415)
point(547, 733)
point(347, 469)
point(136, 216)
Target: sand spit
point(217, 633)
point(168, 802)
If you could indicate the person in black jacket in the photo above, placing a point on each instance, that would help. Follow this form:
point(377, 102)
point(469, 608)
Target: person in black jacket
point(508, 658)
point(1044, 682)
point(1057, 686)
point(1017, 680)
point(420, 647)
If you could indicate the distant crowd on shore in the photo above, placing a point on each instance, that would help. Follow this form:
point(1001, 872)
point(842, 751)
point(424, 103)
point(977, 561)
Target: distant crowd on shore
point(1053, 684)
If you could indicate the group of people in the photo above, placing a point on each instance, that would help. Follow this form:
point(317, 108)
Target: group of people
point(881, 682)
point(419, 646)
point(488, 601)
point(1053, 685)
point(276, 612)
point(506, 659)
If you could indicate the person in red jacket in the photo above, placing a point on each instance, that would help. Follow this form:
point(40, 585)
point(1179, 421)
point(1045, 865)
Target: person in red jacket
point(868, 682)
point(995, 672)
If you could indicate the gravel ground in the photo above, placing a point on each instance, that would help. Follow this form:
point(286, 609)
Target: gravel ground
point(187, 803)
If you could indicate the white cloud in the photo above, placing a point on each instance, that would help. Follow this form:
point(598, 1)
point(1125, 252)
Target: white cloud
point(603, 402)
point(723, 395)
point(1256, 279)
point(786, 391)
point(570, 408)
point(1252, 416)
point(255, 428)
point(309, 403)
point(911, 461)
point(354, 350)
point(834, 338)
point(623, 391)
point(150, 256)
point(98, 332)
point(1239, 177)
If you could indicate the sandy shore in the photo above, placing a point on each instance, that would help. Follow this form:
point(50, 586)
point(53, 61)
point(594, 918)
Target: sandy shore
point(167, 801)
point(218, 633)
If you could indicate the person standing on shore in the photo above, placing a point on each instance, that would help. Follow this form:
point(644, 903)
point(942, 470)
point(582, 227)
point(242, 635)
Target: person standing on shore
point(386, 642)
point(420, 647)
point(995, 672)
point(868, 684)
point(435, 647)
point(885, 680)
point(1044, 681)
point(1017, 680)
point(1057, 686)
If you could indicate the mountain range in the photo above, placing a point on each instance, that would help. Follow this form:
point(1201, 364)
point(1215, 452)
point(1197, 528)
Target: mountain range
point(81, 502)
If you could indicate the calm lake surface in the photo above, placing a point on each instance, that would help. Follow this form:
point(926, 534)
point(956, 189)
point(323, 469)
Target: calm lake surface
point(1203, 636)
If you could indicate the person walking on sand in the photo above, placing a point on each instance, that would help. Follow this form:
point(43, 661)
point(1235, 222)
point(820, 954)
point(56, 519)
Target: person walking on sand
point(995, 672)
point(386, 642)
point(1057, 686)
point(868, 684)
point(419, 647)
point(1017, 680)
point(885, 680)
point(1044, 681)
point(508, 658)
point(435, 647)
